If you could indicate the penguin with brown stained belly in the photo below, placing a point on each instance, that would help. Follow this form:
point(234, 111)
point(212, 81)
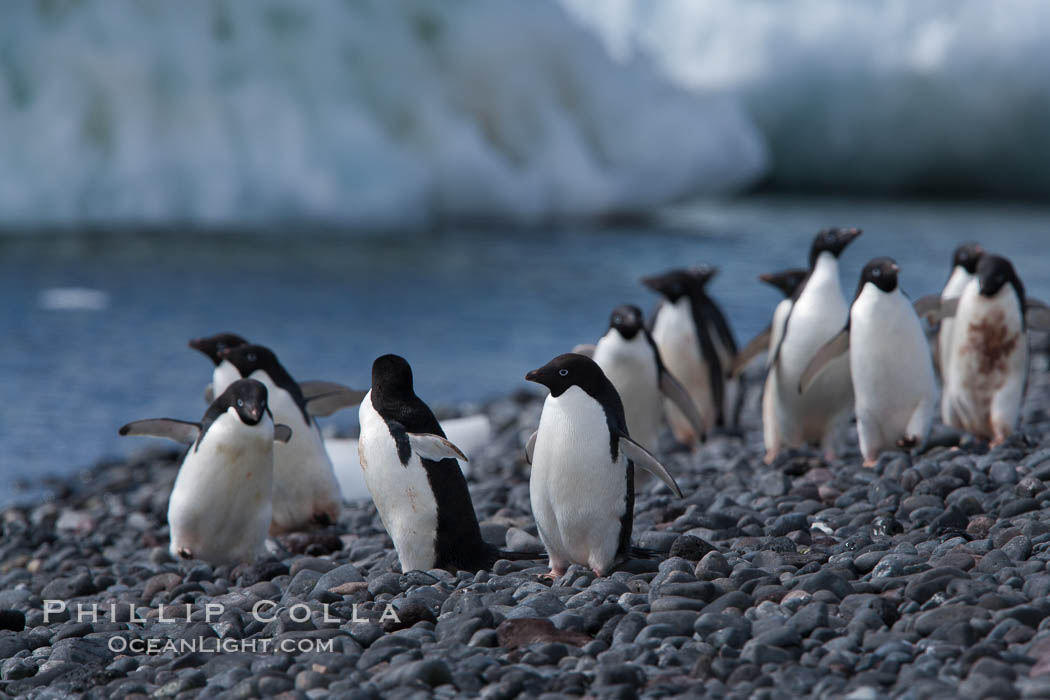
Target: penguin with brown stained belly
point(988, 363)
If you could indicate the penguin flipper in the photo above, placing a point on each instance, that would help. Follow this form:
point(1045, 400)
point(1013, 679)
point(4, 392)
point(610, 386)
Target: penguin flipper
point(325, 398)
point(831, 349)
point(642, 457)
point(434, 447)
point(209, 394)
point(674, 390)
point(934, 309)
point(281, 432)
point(1037, 314)
point(587, 350)
point(755, 346)
point(177, 430)
point(530, 446)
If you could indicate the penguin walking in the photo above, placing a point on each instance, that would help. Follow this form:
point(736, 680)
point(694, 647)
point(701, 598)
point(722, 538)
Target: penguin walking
point(988, 361)
point(220, 507)
point(817, 314)
point(323, 398)
point(788, 282)
point(964, 265)
point(415, 481)
point(697, 346)
point(890, 365)
point(629, 358)
point(582, 481)
point(306, 492)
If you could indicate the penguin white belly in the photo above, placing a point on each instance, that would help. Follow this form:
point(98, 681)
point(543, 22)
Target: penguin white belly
point(305, 487)
point(956, 284)
point(401, 493)
point(816, 317)
point(219, 509)
point(631, 367)
point(770, 424)
point(891, 370)
point(674, 333)
point(222, 376)
point(578, 493)
point(987, 365)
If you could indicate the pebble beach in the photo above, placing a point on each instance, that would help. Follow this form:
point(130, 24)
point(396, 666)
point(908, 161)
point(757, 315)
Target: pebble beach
point(925, 577)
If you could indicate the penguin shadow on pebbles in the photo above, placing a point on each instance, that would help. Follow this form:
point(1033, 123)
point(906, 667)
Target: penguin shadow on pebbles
point(221, 504)
point(581, 485)
point(413, 475)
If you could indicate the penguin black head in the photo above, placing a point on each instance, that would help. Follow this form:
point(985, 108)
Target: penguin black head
point(569, 370)
point(966, 256)
point(882, 272)
point(787, 281)
point(831, 240)
point(674, 284)
point(392, 376)
point(214, 345)
point(628, 320)
point(995, 271)
point(247, 397)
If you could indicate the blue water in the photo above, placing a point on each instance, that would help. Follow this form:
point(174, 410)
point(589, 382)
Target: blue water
point(471, 310)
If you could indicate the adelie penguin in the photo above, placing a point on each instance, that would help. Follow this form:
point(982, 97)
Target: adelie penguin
point(987, 368)
point(220, 507)
point(583, 459)
point(629, 358)
point(697, 347)
point(889, 359)
point(323, 398)
point(306, 493)
point(817, 314)
point(415, 481)
point(788, 282)
point(964, 266)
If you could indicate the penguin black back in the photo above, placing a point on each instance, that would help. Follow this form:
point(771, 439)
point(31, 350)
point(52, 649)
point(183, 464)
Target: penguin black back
point(458, 540)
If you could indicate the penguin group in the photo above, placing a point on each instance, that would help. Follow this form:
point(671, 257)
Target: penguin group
point(256, 464)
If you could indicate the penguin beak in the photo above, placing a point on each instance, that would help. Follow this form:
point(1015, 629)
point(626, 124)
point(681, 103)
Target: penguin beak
point(533, 376)
point(847, 235)
point(652, 283)
point(895, 267)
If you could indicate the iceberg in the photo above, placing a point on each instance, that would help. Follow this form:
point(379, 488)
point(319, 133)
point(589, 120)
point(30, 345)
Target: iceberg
point(886, 96)
point(368, 114)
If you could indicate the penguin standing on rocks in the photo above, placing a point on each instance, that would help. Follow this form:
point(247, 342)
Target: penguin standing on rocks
point(306, 493)
point(787, 281)
point(582, 457)
point(697, 347)
point(988, 361)
point(893, 380)
point(220, 507)
point(964, 265)
point(415, 481)
point(818, 313)
point(629, 358)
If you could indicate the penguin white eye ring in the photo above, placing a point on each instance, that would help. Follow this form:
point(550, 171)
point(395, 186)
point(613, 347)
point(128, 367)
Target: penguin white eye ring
point(240, 403)
point(563, 372)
